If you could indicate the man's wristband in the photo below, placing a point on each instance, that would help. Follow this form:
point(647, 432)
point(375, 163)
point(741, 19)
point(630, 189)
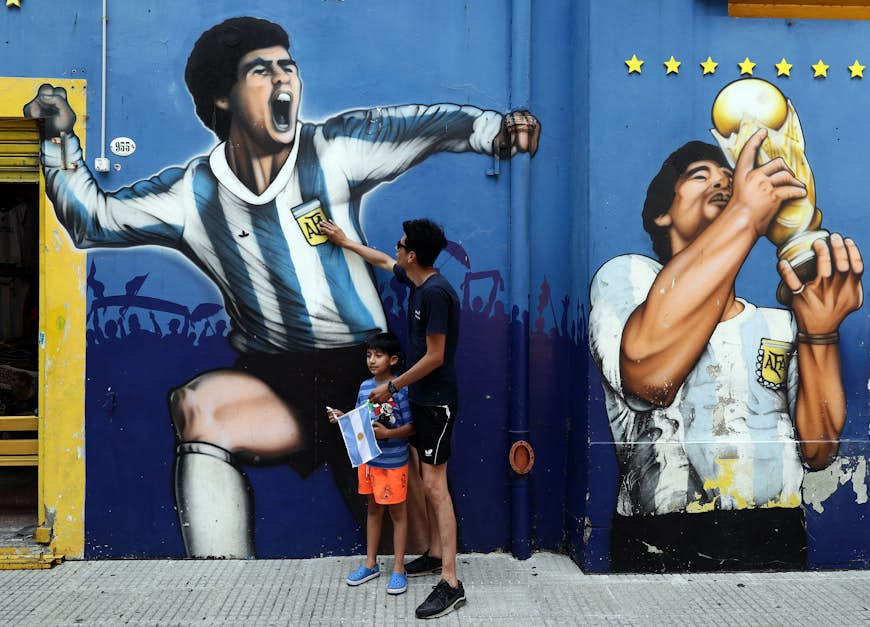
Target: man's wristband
point(391, 387)
point(818, 338)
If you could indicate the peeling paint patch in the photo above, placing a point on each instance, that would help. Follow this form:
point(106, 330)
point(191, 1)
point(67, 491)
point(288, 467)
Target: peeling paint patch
point(859, 481)
point(50, 514)
point(652, 549)
point(57, 240)
point(819, 486)
point(725, 485)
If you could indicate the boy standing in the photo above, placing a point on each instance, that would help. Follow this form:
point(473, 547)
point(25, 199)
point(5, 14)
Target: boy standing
point(385, 478)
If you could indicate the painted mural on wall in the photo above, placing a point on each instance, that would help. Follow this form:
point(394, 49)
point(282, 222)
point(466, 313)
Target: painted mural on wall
point(718, 408)
point(246, 215)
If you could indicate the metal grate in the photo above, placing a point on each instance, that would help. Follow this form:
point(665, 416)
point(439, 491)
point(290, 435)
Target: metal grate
point(19, 151)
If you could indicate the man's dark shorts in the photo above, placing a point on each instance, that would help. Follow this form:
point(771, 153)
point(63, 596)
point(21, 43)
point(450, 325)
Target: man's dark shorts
point(434, 428)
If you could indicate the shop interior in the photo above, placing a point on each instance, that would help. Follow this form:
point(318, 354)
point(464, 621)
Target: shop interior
point(19, 321)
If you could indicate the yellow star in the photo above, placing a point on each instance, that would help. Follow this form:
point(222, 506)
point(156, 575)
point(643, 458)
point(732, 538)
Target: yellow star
point(857, 69)
point(633, 64)
point(13, 3)
point(783, 68)
point(709, 66)
point(820, 70)
point(673, 65)
point(746, 66)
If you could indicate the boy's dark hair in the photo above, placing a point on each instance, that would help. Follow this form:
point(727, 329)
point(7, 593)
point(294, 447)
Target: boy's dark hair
point(660, 193)
point(386, 342)
point(425, 238)
point(212, 65)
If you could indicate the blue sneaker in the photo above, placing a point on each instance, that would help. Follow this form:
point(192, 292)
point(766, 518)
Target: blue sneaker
point(398, 583)
point(362, 575)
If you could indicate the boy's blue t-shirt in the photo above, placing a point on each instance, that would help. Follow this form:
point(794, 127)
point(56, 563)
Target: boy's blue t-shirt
point(394, 451)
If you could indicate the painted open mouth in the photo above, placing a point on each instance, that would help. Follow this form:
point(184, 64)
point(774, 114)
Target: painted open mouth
point(281, 111)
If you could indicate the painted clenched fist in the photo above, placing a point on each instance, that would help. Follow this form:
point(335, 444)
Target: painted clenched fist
point(51, 105)
point(519, 132)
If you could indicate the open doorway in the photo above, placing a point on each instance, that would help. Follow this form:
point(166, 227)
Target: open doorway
point(42, 428)
point(19, 322)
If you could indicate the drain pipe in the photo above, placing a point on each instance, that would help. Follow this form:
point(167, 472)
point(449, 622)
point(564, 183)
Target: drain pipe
point(101, 163)
point(520, 260)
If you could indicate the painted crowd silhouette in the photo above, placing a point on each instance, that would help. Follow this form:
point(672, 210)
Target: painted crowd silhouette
point(183, 326)
point(114, 319)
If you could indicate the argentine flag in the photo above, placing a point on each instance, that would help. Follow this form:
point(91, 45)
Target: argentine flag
point(359, 437)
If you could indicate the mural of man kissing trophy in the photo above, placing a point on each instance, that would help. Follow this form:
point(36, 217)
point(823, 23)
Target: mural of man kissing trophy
point(717, 406)
point(246, 215)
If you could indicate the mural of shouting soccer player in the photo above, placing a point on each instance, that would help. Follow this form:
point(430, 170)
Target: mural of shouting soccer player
point(246, 215)
point(716, 406)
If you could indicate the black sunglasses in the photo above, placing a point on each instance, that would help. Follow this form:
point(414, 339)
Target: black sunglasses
point(399, 245)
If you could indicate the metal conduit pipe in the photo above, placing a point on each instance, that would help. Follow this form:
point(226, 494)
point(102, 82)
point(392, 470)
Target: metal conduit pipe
point(520, 262)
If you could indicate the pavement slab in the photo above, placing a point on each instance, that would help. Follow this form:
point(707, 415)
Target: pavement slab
point(547, 589)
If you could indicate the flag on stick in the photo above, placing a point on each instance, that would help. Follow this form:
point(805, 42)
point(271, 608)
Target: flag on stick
point(359, 436)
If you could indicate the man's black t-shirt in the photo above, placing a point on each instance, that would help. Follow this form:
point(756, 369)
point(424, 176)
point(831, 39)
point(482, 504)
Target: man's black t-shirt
point(433, 309)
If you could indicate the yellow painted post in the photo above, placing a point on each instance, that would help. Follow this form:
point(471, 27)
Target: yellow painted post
point(61, 400)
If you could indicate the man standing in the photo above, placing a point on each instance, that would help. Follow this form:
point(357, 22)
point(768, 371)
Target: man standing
point(433, 332)
point(246, 215)
point(714, 403)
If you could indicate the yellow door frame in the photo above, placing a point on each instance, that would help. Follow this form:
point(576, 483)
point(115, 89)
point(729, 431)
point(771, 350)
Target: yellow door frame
point(61, 397)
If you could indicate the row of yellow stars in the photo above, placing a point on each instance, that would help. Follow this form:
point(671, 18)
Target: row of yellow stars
point(783, 68)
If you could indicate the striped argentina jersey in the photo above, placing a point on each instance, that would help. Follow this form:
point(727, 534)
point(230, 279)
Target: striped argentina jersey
point(285, 287)
point(394, 451)
point(728, 440)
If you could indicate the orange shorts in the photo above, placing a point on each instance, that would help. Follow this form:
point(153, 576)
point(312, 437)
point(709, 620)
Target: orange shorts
point(388, 486)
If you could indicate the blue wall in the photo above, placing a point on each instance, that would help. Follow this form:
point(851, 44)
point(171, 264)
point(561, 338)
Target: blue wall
point(351, 55)
point(604, 135)
point(636, 120)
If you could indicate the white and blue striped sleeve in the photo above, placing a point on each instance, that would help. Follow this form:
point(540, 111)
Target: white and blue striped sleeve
point(617, 289)
point(148, 212)
point(376, 145)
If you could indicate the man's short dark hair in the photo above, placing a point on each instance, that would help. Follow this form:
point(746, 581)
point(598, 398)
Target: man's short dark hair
point(425, 238)
point(213, 64)
point(660, 193)
point(385, 342)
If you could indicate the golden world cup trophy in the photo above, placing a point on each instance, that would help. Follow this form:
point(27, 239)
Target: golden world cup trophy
point(740, 109)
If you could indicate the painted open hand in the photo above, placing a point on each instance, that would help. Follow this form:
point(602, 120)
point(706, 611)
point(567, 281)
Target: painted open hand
point(762, 190)
point(50, 104)
point(822, 304)
point(520, 131)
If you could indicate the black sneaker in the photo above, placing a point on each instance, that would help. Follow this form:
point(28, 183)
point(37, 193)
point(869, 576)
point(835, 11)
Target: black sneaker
point(442, 600)
point(423, 565)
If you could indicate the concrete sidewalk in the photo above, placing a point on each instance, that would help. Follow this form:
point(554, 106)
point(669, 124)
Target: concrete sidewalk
point(547, 589)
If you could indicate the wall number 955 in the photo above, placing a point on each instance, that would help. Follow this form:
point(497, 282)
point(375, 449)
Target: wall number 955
point(122, 146)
